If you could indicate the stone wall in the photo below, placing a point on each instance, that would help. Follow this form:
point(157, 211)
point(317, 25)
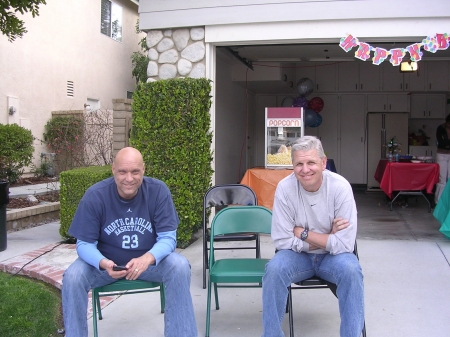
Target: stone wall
point(176, 53)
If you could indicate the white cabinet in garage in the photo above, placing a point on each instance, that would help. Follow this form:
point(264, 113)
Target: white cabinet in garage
point(392, 78)
point(388, 103)
point(416, 81)
point(322, 74)
point(352, 139)
point(436, 79)
point(325, 77)
point(428, 106)
point(358, 76)
point(369, 76)
point(348, 76)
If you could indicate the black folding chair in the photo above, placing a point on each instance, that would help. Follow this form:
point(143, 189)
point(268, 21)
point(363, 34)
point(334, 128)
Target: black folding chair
point(217, 198)
point(314, 282)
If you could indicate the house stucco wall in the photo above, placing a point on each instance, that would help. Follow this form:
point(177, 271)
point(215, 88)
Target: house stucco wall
point(64, 43)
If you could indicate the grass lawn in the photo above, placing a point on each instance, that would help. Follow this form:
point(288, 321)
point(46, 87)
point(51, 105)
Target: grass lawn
point(28, 307)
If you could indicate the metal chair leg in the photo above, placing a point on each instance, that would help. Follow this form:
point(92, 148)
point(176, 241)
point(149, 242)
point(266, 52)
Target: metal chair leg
point(291, 318)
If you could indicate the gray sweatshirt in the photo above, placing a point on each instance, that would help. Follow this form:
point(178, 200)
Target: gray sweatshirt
point(294, 206)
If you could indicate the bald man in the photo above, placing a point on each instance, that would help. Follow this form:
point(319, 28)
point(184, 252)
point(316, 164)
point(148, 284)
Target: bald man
point(128, 220)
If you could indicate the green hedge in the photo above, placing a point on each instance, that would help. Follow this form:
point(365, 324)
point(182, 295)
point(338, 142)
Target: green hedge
point(171, 128)
point(16, 151)
point(73, 184)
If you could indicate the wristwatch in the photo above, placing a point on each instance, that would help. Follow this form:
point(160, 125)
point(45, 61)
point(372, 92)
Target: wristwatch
point(304, 235)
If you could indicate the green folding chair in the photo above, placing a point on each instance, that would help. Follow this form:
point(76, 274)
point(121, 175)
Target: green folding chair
point(123, 287)
point(227, 272)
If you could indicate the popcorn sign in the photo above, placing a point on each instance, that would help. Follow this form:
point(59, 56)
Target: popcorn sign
point(283, 122)
point(430, 44)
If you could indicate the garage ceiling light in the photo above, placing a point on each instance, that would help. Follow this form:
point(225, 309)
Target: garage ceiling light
point(408, 66)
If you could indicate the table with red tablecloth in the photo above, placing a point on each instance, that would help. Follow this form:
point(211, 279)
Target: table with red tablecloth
point(406, 178)
point(264, 182)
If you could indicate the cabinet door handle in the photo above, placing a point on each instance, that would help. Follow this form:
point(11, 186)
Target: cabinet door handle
point(401, 86)
point(317, 87)
point(430, 86)
point(361, 86)
point(406, 86)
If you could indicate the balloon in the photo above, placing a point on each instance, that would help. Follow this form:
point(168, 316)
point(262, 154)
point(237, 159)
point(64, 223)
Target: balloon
point(288, 101)
point(318, 122)
point(310, 117)
point(316, 104)
point(301, 102)
point(305, 86)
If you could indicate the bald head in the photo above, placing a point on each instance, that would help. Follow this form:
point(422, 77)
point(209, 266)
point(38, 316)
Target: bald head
point(128, 171)
point(128, 153)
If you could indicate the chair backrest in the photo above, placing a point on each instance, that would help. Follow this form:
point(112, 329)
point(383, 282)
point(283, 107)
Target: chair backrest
point(231, 194)
point(220, 196)
point(242, 219)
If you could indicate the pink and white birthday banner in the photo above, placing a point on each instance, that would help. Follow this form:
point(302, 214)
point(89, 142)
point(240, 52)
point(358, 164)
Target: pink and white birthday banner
point(431, 44)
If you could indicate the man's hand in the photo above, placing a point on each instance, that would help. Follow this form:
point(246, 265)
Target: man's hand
point(339, 224)
point(138, 265)
point(108, 265)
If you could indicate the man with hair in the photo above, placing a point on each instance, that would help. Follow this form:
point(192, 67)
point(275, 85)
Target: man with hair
point(128, 220)
point(314, 230)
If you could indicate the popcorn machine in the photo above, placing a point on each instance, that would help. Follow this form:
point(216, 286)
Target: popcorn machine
point(283, 127)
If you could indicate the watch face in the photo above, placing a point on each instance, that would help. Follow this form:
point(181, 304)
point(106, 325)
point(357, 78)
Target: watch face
point(304, 235)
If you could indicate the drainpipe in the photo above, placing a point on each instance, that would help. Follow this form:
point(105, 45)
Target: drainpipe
point(4, 200)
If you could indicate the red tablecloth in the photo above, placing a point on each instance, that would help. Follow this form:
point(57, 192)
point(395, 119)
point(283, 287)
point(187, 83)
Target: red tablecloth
point(399, 176)
point(264, 182)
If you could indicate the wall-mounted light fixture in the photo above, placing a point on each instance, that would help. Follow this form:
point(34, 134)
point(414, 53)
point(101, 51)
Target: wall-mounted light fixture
point(408, 66)
point(12, 110)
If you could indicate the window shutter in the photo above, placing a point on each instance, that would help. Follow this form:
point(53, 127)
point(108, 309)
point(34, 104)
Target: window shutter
point(106, 17)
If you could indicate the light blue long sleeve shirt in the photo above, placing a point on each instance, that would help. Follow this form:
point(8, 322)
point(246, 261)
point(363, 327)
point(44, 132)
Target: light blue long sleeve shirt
point(166, 243)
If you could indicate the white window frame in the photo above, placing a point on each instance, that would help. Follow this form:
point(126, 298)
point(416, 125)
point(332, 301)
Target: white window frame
point(111, 20)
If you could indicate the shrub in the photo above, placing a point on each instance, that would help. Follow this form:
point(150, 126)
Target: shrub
point(64, 135)
point(139, 59)
point(81, 141)
point(73, 184)
point(171, 128)
point(16, 151)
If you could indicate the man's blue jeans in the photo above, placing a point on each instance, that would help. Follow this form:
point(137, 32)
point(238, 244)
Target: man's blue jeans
point(174, 271)
point(287, 267)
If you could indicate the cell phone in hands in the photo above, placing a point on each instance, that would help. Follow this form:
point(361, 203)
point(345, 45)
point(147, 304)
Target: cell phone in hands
point(119, 268)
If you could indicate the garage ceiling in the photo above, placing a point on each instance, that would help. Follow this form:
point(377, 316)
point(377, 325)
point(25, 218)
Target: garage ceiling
point(318, 52)
point(300, 53)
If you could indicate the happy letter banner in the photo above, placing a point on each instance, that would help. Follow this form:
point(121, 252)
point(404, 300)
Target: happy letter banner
point(430, 44)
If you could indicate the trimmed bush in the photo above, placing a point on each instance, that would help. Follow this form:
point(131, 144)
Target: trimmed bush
point(64, 135)
point(16, 151)
point(73, 185)
point(171, 128)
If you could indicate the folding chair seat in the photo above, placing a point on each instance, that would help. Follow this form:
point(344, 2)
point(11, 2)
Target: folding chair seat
point(236, 272)
point(314, 282)
point(123, 287)
point(217, 198)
